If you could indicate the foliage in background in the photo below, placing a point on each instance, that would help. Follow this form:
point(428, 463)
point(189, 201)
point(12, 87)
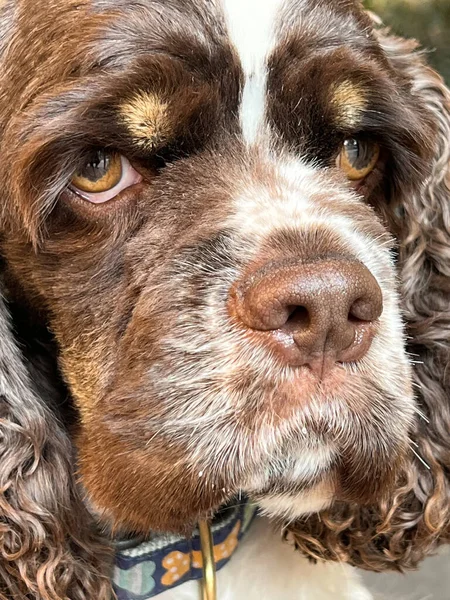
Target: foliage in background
point(426, 20)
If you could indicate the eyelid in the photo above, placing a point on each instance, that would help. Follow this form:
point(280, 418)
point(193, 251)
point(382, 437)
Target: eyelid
point(129, 177)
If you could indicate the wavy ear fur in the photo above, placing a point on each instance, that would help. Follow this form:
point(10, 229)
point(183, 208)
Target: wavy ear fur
point(397, 534)
point(48, 548)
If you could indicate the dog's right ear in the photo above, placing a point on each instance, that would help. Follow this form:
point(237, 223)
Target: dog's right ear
point(48, 546)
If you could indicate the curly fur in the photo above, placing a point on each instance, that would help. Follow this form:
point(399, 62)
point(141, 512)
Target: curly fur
point(397, 534)
point(49, 546)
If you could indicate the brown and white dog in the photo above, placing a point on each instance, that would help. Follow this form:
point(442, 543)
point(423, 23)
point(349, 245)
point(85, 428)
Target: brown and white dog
point(216, 218)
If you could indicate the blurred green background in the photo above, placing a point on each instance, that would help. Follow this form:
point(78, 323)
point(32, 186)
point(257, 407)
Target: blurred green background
point(426, 20)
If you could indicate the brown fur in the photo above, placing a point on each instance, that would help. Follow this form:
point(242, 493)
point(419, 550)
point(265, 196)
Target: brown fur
point(118, 307)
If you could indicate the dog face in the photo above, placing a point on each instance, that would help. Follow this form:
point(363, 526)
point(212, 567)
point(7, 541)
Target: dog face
point(205, 217)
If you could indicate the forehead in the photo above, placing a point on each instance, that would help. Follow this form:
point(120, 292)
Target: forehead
point(258, 44)
point(253, 28)
point(184, 77)
point(211, 38)
point(200, 65)
point(112, 32)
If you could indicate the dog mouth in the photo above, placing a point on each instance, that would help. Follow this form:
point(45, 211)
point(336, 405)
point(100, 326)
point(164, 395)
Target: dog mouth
point(287, 396)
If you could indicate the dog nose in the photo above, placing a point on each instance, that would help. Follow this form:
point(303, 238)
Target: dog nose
point(315, 313)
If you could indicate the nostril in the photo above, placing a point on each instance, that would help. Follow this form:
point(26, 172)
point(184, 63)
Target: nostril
point(353, 318)
point(364, 309)
point(298, 316)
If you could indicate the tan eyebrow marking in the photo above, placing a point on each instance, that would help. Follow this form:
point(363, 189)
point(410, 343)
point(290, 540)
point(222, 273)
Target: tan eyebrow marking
point(349, 100)
point(147, 118)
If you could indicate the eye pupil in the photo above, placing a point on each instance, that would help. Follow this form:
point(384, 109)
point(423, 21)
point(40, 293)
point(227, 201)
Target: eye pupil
point(97, 167)
point(358, 157)
point(352, 148)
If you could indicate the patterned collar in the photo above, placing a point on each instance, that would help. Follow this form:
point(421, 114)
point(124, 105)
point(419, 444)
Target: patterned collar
point(166, 561)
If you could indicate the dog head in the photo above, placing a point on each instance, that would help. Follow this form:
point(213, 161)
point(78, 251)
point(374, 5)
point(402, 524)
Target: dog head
point(222, 229)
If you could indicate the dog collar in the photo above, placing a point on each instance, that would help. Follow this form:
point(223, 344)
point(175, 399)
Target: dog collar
point(166, 561)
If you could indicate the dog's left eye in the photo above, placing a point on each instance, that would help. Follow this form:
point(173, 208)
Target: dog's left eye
point(103, 176)
point(358, 158)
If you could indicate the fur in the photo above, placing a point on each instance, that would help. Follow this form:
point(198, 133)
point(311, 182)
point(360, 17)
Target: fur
point(132, 397)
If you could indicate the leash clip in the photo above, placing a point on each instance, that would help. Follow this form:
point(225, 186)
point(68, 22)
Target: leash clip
point(209, 585)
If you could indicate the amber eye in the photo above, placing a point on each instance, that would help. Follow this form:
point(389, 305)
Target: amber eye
point(104, 176)
point(358, 158)
point(101, 172)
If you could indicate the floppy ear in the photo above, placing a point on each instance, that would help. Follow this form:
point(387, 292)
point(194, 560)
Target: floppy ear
point(48, 548)
point(398, 533)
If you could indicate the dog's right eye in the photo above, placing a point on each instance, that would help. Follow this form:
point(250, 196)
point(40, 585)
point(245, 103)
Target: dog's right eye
point(103, 176)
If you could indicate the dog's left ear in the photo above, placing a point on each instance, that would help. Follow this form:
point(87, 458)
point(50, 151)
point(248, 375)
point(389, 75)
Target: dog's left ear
point(423, 231)
point(398, 533)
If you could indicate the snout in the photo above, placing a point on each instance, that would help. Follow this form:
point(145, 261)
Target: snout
point(310, 313)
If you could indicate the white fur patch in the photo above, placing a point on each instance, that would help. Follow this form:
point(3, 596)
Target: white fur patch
point(291, 506)
point(252, 27)
point(289, 204)
point(307, 464)
point(311, 462)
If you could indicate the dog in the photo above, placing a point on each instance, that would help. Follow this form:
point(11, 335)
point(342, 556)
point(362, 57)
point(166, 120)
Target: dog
point(225, 246)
